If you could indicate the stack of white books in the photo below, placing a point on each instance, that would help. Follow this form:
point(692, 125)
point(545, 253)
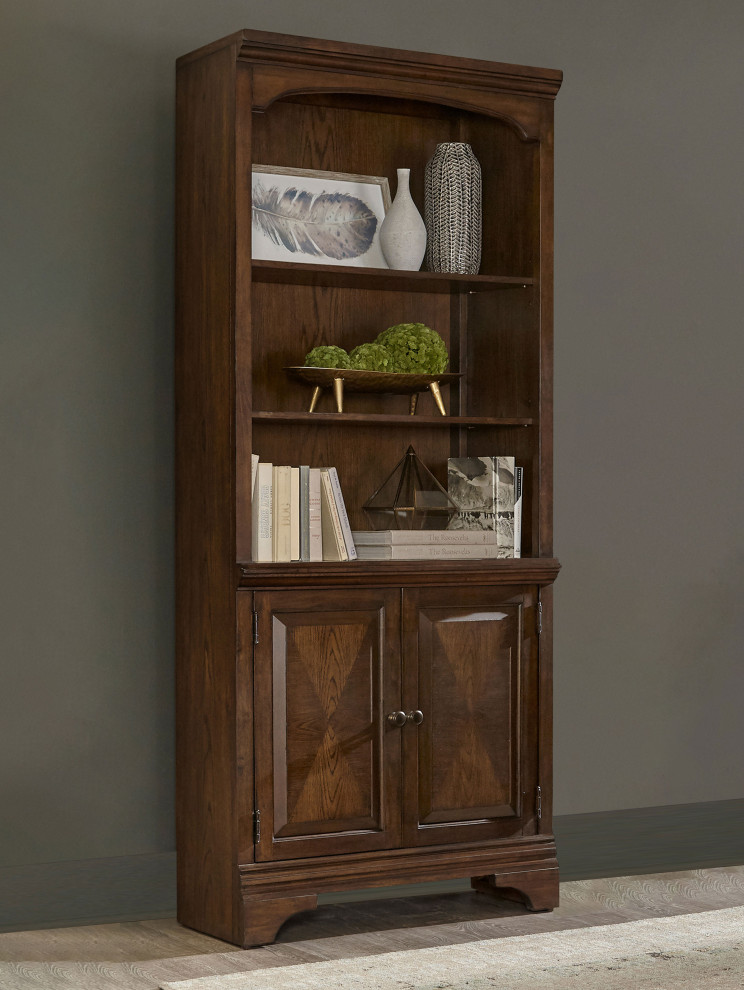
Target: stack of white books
point(299, 514)
point(488, 491)
point(427, 544)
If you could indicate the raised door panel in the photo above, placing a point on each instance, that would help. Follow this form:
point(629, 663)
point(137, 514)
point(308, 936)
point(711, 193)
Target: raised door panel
point(327, 669)
point(469, 667)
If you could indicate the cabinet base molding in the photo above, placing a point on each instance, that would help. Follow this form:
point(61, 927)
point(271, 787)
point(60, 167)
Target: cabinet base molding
point(525, 870)
point(382, 869)
point(264, 916)
point(536, 889)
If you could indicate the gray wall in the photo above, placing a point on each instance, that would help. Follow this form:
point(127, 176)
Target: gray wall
point(649, 351)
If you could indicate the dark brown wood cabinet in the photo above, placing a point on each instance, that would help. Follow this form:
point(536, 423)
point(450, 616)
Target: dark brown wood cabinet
point(345, 725)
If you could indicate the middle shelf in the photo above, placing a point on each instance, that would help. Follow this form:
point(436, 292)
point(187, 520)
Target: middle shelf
point(382, 419)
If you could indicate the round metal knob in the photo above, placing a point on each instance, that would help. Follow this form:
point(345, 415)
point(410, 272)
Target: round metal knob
point(397, 719)
point(416, 717)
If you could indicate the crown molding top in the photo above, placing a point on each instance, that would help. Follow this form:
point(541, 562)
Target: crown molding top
point(267, 47)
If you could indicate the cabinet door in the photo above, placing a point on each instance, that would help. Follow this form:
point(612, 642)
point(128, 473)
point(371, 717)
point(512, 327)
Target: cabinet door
point(470, 667)
point(326, 673)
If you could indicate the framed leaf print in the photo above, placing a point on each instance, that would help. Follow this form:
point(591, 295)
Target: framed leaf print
point(322, 218)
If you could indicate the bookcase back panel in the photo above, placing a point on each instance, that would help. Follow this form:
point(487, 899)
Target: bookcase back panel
point(502, 353)
point(347, 140)
point(494, 342)
point(510, 196)
point(289, 323)
point(346, 135)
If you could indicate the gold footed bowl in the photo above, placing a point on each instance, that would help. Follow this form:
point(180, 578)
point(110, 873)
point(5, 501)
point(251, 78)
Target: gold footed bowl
point(347, 380)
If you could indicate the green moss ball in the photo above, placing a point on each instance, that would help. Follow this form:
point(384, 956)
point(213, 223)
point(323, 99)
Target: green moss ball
point(415, 348)
point(371, 357)
point(327, 356)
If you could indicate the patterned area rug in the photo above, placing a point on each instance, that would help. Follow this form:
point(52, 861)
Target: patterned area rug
point(689, 952)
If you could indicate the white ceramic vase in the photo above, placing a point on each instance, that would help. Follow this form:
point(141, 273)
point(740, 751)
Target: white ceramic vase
point(403, 232)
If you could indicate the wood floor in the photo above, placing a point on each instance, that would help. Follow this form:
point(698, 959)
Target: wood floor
point(139, 955)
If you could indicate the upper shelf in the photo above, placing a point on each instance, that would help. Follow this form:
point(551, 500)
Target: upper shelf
point(342, 276)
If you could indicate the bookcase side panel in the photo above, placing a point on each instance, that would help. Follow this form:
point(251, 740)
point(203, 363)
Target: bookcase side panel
point(205, 543)
point(243, 312)
point(545, 179)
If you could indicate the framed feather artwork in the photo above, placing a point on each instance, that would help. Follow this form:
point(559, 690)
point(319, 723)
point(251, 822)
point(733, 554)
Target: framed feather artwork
point(322, 218)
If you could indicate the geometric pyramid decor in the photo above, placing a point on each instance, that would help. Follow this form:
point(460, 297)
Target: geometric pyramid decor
point(410, 498)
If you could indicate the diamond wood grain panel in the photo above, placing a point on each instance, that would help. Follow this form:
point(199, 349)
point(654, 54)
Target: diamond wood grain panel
point(464, 658)
point(327, 738)
point(472, 677)
point(331, 747)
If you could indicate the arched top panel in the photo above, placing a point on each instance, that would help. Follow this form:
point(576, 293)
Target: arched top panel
point(522, 124)
point(530, 118)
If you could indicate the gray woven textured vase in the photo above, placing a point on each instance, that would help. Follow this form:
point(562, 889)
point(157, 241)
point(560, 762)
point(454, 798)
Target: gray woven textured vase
point(453, 210)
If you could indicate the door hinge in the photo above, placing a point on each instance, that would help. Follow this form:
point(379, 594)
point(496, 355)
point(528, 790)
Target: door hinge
point(539, 803)
point(539, 618)
point(255, 628)
point(256, 826)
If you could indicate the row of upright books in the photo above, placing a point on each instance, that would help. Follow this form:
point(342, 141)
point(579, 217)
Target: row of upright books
point(488, 523)
point(299, 514)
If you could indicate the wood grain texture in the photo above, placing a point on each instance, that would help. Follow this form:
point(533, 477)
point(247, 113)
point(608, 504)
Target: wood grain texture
point(297, 273)
point(263, 917)
point(536, 889)
point(470, 774)
point(284, 49)
point(377, 420)
point(205, 540)
point(544, 722)
point(327, 671)
point(387, 573)
point(394, 866)
point(302, 65)
point(245, 801)
point(242, 288)
point(544, 209)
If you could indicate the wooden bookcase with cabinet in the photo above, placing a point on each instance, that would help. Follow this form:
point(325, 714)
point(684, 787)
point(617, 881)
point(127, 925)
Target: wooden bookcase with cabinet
point(346, 725)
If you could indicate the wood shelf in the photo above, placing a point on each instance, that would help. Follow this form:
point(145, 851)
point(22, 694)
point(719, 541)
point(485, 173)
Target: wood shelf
point(341, 276)
point(381, 419)
point(379, 573)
